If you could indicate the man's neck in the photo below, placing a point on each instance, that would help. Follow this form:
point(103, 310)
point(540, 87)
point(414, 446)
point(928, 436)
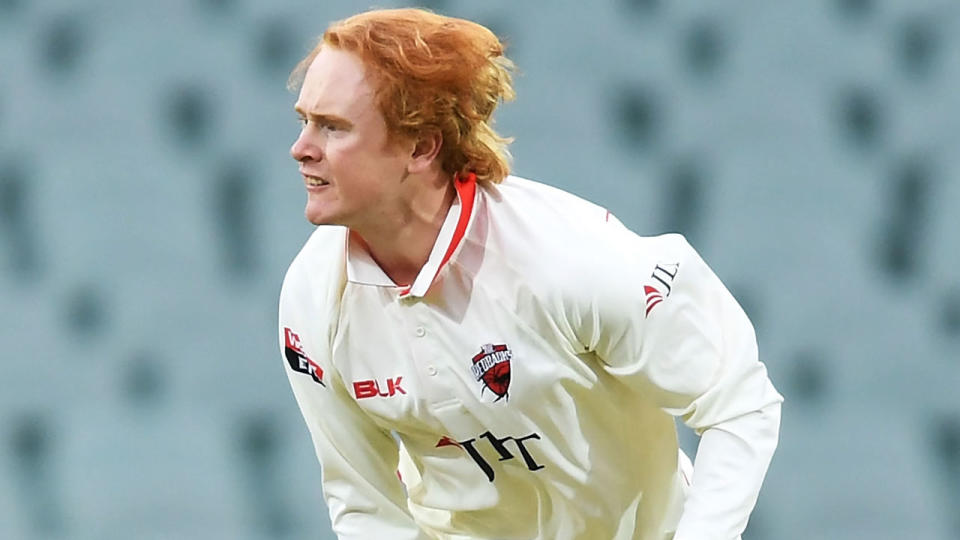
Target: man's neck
point(401, 243)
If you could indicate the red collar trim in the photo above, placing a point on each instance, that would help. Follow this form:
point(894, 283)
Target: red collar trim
point(466, 190)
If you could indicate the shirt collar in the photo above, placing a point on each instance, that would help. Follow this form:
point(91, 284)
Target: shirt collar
point(363, 270)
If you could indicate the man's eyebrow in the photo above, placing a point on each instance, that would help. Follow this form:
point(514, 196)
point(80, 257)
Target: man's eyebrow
point(324, 118)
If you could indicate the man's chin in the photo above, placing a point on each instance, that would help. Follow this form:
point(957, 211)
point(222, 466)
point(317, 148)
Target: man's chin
point(318, 218)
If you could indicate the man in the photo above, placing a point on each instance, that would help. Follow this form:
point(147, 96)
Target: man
point(479, 356)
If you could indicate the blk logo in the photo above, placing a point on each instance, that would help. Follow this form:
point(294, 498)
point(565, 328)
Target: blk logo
point(500, 446)
point(663, 274)
point(298, 360)
point(371, 388)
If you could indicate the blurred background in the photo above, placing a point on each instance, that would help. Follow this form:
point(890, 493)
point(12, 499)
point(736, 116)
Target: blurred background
point(149, 209)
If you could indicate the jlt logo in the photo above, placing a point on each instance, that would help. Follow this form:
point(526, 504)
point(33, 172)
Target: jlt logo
point(499, 445)
point(665, 274)
point(371, 388)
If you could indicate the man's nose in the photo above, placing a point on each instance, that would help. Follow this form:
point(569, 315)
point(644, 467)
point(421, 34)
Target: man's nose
point(304, 149)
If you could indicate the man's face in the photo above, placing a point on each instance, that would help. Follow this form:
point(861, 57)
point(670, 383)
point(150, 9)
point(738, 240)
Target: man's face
point(352, 175)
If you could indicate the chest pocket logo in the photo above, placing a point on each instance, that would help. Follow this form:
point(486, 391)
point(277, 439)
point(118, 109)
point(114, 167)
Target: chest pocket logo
point(491, 367)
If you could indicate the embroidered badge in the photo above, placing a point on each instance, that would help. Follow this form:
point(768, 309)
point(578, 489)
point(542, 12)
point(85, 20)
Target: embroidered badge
point(491, 366)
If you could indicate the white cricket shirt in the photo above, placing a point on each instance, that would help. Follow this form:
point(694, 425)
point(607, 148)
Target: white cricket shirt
point(531, 374)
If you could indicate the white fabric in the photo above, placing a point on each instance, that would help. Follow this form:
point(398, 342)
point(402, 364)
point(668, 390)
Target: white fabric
point(731, 458)
point(608, 336)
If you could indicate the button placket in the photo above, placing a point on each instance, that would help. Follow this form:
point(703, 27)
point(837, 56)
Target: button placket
point(428, 357)
point(422, 350)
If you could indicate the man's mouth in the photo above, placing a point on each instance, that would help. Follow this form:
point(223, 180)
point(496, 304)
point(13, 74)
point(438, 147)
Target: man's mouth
point(313, 181)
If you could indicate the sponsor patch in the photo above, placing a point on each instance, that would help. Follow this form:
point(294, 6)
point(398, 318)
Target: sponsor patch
point(298, 360)
point(660, 284)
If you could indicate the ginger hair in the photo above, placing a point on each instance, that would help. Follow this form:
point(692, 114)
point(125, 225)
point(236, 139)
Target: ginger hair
point(433, 74)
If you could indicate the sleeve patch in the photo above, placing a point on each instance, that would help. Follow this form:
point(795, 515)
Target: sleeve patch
point(660, 284)
point(298, 360)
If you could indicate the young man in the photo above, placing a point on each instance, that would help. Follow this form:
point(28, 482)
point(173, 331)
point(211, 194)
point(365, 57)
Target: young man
point(479, 356)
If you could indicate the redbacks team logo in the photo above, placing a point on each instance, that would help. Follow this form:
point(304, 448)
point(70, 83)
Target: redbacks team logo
point(298, 359)
point(664, 274)
point(491, 366)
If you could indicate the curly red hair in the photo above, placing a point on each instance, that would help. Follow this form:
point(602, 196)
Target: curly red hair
point(433, 73)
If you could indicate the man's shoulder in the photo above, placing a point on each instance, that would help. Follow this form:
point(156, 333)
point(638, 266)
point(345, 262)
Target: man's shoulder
point(537, 215)
point(564, 243)
point(538, 197)
point(321, 259)
point(556, 210)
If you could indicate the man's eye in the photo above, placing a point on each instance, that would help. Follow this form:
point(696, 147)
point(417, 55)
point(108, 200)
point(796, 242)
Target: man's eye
point(320, 124)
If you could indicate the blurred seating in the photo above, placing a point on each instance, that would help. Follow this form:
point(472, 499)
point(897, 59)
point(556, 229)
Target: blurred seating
point(149, 208)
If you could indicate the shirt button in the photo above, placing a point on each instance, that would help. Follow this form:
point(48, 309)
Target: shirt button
point(431, 370)
point(421, 331)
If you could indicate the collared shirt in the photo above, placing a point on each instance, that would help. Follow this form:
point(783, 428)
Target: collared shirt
point(525, 384)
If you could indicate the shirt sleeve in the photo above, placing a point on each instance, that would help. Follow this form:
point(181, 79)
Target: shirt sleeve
point(664, 323)
point(358, 458)
point(732, 460)
point(359, 461)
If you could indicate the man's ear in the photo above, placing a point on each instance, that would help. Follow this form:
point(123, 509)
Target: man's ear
point(426, 148)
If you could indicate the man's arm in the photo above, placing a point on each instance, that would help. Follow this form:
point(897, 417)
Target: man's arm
point(732, 460)
point(358, 461)
point(666, 325)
